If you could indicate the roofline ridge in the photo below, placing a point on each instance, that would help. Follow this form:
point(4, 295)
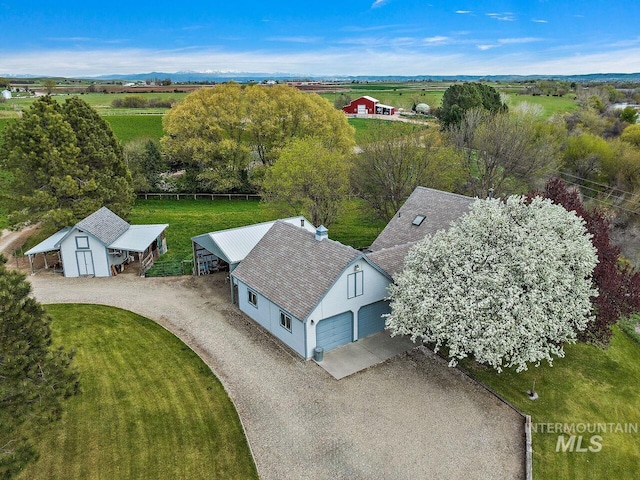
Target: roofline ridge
point(447, 193)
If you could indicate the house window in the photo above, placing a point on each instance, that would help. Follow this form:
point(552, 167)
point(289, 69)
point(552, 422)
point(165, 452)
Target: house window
point(82, 243)
point(355, 284)
point(253, 298)
point(285, 321)
point(418, 220)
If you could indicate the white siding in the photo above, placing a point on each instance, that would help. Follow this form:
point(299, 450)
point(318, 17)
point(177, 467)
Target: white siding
point(374, 288)
point(267, 314)
point(68, 251)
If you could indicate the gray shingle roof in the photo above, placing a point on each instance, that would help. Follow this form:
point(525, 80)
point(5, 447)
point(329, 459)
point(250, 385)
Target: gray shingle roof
point(391, 260)
point(293, 269)
point(103, 224)
point(439, 209)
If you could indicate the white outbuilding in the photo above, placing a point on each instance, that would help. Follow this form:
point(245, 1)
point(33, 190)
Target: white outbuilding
point(6, 94)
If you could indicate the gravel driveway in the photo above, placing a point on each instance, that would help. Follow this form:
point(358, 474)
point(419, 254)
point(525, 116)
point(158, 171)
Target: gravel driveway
point(411, 417)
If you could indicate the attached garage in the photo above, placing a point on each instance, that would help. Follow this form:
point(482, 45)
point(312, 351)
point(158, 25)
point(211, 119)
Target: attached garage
point(335, 331)
point(370, 318)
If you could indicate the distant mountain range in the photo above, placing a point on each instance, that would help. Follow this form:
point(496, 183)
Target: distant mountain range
point(222, 76)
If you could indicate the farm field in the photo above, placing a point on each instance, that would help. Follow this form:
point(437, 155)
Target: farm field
point(100, 101)
point(551, 105)
point(188, 218)
point(134, 127)
point(588, 386)
point(149, 407)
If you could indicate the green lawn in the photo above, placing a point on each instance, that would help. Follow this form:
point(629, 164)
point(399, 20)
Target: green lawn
point(132, 127)
point(588, 386)
point(188, 218)
point(149, 407)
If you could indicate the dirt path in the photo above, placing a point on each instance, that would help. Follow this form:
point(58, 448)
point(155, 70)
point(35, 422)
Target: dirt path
point(411, 417)
point(10, 240)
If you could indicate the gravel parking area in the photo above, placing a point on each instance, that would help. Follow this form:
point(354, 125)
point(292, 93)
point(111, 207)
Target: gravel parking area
point(410, 417)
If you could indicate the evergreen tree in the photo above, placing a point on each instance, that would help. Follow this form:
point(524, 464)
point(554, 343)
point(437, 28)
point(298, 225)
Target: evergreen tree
point(34, 379)
point(458, 99)
point(65, 163)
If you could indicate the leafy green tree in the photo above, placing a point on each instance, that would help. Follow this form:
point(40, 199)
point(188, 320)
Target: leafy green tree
point(230, 133)
point(629, 115)
point(631, 135)
point(394, 161)
point(308, 179)
point(584, 155)
point(65, 164)
point(342, 100)
point(508, 284)
point(49, 85)
point(460, 98)
point(34, 378)
point(145, 162)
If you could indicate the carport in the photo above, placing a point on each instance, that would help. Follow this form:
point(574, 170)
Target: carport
point(47, 246)
point(225, 249)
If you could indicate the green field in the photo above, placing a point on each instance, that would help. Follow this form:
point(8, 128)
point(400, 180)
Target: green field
point(402, 95)
point(588, 386)
point(133, 127)
point(366, 126)
point(551, 105)
point(149, 407)
point(188, 218)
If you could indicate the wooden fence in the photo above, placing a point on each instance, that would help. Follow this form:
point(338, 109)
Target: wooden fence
point(196, 196)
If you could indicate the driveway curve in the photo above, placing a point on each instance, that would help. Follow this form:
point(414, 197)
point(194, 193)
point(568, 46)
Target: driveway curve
point(410, 417)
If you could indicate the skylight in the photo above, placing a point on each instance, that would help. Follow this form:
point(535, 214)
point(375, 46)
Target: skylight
point(418, 220)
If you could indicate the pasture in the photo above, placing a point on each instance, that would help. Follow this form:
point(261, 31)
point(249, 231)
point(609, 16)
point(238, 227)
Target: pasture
point(134, 127)
point(149, 407)
point(188, 218)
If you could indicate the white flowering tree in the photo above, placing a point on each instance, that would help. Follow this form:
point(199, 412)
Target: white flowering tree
point(509, 283)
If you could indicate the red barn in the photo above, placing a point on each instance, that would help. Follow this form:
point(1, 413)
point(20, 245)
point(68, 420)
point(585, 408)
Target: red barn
point(368, 106)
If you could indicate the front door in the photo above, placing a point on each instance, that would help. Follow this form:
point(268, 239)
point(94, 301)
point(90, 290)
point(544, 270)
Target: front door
point(85, 263)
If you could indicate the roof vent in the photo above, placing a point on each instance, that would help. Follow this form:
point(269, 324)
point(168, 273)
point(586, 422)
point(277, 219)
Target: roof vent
point(418, 220)
point(322, 233)
point(302, 222)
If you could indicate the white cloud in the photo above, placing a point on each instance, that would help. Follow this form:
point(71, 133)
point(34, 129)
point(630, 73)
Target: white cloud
point(504, 17)
point(464, 12)
point(378, 3)
point(329, 61)
point(437, 40)
point(519, 40)
point(539, 20)
point(298, 39)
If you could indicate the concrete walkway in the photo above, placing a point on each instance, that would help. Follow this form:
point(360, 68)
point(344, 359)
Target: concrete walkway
point(407, 418)
point(364, 353)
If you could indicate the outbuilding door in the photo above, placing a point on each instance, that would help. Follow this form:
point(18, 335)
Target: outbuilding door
point(85, 263)
point(335, 331)
point(362, 109)
point(370, 319)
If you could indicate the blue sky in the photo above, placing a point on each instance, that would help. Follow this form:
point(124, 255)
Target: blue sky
point(348, 37)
